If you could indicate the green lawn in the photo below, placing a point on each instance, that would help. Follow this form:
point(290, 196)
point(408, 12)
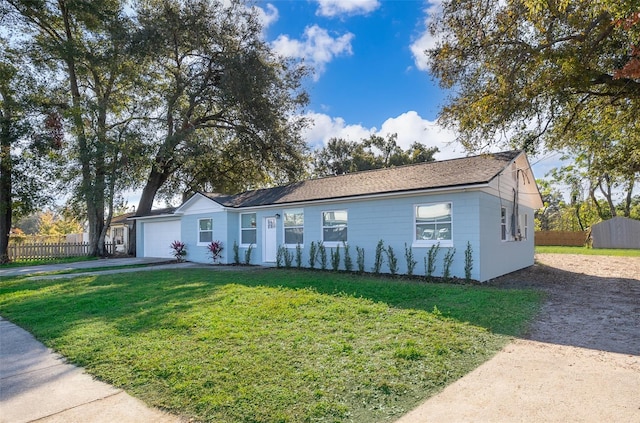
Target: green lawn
point(270, 345)
point(588, 251)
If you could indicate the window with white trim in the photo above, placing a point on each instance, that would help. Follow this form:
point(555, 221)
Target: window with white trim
point(334, 226)
point(205, 231)
point(503, 223)
point(433, 223)
point(248, 228)
point(294, 227)
point(524, 226)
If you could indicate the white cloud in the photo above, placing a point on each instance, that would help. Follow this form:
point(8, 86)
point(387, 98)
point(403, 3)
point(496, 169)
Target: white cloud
point(317, 47)
point(324, 127)
point(425, 40)
point(331, 8)
point(409, 126)
point(267, 15)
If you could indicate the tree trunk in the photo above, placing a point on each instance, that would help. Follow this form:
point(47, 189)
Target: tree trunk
point(629, 197)
point(154, 183)
point(6, 204)
point(89, 189)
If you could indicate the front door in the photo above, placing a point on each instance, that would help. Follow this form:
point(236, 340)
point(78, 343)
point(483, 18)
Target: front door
point(270, 247)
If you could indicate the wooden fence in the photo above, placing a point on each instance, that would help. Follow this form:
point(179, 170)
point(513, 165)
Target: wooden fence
point(564, 238)
point(47, 251)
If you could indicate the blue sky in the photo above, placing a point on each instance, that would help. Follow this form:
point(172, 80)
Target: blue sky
point(370, 72)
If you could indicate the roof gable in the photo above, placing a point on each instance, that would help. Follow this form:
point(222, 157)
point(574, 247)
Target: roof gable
point(199, 203)
point(475, 170)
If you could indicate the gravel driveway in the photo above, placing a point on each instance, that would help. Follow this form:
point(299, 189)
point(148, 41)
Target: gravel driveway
point(593, 301)
point(579, 362)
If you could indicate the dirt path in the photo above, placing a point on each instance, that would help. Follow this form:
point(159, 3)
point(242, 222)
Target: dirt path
point(580, 361)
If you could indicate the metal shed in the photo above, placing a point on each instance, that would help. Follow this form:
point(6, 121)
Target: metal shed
point(619, 232)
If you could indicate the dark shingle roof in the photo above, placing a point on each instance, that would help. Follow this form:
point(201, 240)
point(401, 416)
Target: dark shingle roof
point(473, 170)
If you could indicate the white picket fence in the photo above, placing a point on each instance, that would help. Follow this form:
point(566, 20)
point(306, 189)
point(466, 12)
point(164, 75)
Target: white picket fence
point(55, 250)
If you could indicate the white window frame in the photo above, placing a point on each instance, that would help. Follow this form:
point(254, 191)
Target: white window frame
point(255, 229)
point(201, 243)
point(431, 242)
point(504, 224)
point(285, 227)
point(322, 228)
point(524, 226)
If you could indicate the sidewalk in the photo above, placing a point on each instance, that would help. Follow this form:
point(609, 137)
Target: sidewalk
point(90, 264)
point(37, 385)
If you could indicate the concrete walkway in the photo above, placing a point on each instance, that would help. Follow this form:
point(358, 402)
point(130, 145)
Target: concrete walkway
point(37, 385)
point(90, 264)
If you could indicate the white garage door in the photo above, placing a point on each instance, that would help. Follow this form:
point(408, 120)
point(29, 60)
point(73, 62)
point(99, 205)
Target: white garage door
point(158, 236)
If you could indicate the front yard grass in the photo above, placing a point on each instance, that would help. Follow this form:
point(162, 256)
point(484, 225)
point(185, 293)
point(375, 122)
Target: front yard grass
point(270, 345)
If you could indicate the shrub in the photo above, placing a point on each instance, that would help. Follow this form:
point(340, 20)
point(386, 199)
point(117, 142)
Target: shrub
point(179, 250)
point(392, 260)
point(313, 254)
point(377, 264)
point(468, 262)
point(288, 257)
point(247, 254)
point(298, 255)
point(430, 261)
point(348, 264)
point(280, 256)
point(236, 253)
point(335, 259)
point(215, 250)
point(411, 262)
point(322, 251)
point(448, 259)
point(360, 259)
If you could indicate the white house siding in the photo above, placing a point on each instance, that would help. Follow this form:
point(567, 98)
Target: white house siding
point(498, 257)
point(156, 237)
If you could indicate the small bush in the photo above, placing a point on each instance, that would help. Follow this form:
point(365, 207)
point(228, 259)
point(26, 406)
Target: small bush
point(411, 262)
point(247, 254)
point(215, 250)
point(392, 260)
point(236, 253)
point(377, 264)
point(348, 264)
point(430, 261)
point(298, 255)
point(313, 255)
point(179, 250)
point(360, 259)
point(335, 259)
point(468, 262)
point(448, 259)
point(280, 256)
point(288, 258)
point(322, 251)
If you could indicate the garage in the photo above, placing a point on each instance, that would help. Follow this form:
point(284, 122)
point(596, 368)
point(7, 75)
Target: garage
point(158, 236)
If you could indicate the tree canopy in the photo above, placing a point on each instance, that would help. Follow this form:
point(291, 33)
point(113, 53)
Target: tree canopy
point(523, 70)
point(153, 92)
point(342, 156)
point(537, 74)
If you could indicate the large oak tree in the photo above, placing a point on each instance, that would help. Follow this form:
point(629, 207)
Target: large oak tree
point(553, 74)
